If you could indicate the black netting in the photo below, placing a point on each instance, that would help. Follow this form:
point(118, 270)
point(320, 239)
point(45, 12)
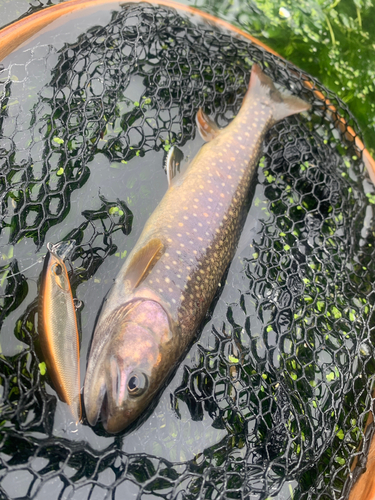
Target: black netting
point(273, 398)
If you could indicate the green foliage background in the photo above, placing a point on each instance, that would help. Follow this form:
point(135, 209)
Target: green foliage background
point(333, 41)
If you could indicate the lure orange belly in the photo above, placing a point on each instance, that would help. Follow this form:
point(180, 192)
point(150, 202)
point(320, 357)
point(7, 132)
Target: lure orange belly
point(58, 331)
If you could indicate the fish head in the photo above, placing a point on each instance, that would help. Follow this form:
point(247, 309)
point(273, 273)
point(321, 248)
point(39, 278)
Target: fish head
point(126, 370)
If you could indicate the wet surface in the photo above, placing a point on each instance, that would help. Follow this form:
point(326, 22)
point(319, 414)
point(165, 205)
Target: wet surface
point(263, 403)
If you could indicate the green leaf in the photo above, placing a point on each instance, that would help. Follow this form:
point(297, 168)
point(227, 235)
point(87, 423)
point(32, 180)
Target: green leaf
point(340, 434)
point(58, 140)
point(340, 460)
point(233, 359)
point(42, 368)
point(336, 313)
point(320, 305)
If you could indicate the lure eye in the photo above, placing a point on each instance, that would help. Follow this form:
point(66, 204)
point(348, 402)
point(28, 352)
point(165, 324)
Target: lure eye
point(137, 384)
point(60, 278)
point(58, 270)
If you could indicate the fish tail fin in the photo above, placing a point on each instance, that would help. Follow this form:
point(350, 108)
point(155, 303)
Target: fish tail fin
point(261, 87)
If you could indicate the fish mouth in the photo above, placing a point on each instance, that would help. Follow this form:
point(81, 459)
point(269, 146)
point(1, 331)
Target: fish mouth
point(113, 423)
point(93, 411)
point(104, 410)
point(109, 403)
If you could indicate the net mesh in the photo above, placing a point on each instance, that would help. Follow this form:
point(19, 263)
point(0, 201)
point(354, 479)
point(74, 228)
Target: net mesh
point(284, 368)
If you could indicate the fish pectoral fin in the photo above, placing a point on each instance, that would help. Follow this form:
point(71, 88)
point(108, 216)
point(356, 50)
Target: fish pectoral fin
point(207, 127)
point(142, 262)
point(173, 163)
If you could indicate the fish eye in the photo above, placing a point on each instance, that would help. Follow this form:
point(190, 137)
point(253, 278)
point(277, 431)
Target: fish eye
point(137, 384)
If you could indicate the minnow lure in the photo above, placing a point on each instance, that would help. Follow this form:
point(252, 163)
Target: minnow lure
point(166, 285)
point(57, 325)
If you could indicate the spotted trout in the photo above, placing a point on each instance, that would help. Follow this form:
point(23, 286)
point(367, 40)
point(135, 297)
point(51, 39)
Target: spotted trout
point(57, 326)
point(168, 281)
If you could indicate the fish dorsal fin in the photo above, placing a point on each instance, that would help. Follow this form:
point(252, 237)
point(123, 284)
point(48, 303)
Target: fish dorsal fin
point(173, 163)
point(207, 127)
point(142, 262)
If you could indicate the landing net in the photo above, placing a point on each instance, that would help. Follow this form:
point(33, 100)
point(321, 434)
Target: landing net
point(284, 366)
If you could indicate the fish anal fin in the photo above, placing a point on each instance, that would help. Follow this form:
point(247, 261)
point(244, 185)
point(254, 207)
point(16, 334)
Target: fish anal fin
point(207, 127)
point(173, 163)
point(142, 262)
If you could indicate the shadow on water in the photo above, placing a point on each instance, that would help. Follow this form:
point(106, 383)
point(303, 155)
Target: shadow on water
point(272, 397)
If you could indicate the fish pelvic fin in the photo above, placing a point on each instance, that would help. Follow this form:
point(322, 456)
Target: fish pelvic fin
point(207, 127)
point(142, 262)
point(173, 163)
point(262, 88)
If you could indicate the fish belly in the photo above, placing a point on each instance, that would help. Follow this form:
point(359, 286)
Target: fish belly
point(199, 221)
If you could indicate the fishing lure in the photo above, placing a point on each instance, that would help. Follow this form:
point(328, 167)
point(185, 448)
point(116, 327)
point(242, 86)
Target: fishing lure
point(57, 325)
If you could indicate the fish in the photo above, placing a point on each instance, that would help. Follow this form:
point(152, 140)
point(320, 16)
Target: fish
point(57, 327)
point(165, 287)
